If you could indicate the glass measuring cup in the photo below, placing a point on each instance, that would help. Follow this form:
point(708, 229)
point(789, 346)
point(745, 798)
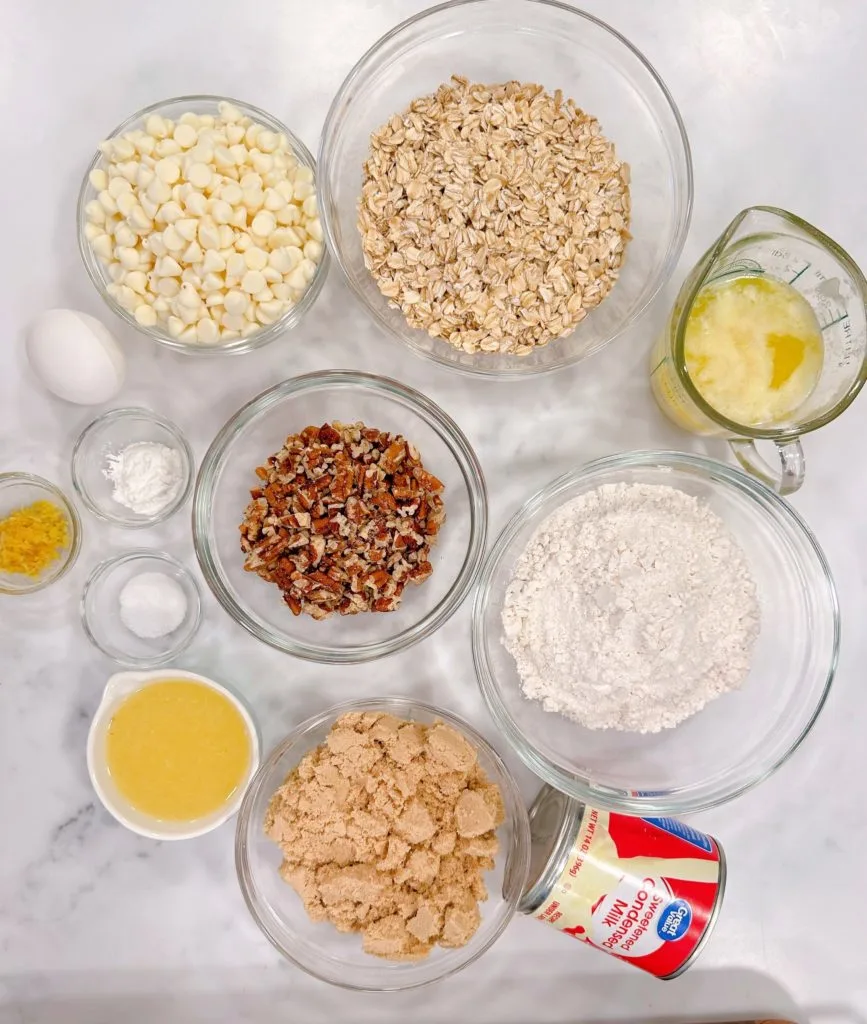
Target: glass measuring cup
point(766, 241)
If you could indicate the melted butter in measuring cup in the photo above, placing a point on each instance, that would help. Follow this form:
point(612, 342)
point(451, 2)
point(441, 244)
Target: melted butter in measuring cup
point(753, 348)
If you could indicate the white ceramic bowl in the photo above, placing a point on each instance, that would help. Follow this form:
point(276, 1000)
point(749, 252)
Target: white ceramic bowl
point(117, 689)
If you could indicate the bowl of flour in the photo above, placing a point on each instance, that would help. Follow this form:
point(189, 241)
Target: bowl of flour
point(655, 632)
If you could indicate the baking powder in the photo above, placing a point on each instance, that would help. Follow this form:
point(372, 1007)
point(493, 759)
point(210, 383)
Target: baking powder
point(146, 476)
point(631, 607)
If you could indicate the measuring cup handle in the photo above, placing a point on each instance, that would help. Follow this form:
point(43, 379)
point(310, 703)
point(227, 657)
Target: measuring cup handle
point(791, 474)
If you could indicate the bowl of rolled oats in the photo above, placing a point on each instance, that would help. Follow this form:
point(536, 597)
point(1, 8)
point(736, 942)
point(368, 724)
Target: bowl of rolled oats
point(505, 184)
point(340, 516)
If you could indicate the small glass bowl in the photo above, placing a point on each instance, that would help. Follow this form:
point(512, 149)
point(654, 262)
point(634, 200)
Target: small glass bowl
point(108, 435)
point(259, 429)
point(96, 270)
point(534, 41)
point(318, 948)
point(17, 490)
point(100, 609)
point(740, 738)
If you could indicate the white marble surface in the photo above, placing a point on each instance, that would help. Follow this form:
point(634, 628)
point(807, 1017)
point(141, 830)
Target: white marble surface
point(97, 925)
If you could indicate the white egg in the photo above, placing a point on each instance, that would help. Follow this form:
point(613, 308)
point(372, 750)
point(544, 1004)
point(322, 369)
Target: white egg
point(75, 356)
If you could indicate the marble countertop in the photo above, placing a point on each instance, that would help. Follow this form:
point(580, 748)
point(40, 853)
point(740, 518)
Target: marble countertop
point(97, 924)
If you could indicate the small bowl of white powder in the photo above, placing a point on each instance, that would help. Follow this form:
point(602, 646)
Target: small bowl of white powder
point(132, 467)
point(655, 632)
point(141, 608)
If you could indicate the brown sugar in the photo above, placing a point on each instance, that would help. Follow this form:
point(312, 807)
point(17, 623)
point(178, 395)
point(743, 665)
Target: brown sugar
point(387, 829)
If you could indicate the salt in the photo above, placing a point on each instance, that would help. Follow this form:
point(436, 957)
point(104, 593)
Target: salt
point(152, 605)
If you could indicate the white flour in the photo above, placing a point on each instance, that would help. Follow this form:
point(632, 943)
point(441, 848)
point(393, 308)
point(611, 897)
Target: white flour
point(631, 607)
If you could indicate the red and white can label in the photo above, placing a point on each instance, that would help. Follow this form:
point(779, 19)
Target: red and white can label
point(642, 889)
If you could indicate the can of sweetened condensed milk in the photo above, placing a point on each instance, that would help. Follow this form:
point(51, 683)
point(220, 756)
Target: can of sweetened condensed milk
point(646, 890)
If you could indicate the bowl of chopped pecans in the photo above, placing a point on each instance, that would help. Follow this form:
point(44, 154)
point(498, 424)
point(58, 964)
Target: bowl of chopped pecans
point(517, 216)
point(340, 516)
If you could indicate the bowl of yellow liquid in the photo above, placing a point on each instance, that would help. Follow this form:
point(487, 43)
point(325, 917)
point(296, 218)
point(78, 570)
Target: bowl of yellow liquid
point(171, 753)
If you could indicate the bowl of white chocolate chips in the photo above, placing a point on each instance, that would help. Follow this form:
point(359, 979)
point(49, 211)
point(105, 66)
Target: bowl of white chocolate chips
point(198, 224)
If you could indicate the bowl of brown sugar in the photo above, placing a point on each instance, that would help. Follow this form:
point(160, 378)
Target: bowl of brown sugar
point(383, 845)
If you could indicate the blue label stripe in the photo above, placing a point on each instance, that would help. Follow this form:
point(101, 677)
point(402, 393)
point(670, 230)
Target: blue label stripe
point(677, 828)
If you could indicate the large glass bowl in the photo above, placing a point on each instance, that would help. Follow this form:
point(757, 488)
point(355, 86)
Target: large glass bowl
point(738, 739)
point(257, 431)
point(534, 41)
point(98, 273)
point(319, 948)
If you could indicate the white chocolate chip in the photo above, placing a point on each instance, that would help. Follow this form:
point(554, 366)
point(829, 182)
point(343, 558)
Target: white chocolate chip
point(194, 253)
point(236, 265)
point(207, 331)
point(196, 204)
point(220, 210)
point(168, 170)
point(102, 246)
point(137, 280)
point(94, 211)
point(98, 179)
point(256, 258)
point(208, 234)
point(313, 251)
point(264, 223)
point(145, 315)
point(172, 240)
point(234, 322)
point(189, 297)
point(213, 262)
point(159, 190)
point(253, 282)
point(200, 175)
point(128, 257)
point(236, 303)
point(185, 135)
point(228, 111)
point(167, 266)
point(187, 228)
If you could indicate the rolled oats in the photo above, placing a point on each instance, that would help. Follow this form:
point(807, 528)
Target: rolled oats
point(344, 517)
point(494, 216)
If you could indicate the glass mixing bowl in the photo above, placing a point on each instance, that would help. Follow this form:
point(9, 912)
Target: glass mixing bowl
point(319, 948)
point(17, 491)
point(534, 41)
point(100, 609)
point(98, 272)
point(110, 434)
point(738, 739)
point(258, 430)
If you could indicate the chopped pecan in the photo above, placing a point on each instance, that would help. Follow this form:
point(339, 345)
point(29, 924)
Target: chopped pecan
point(328, 435)
point(343, 518)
